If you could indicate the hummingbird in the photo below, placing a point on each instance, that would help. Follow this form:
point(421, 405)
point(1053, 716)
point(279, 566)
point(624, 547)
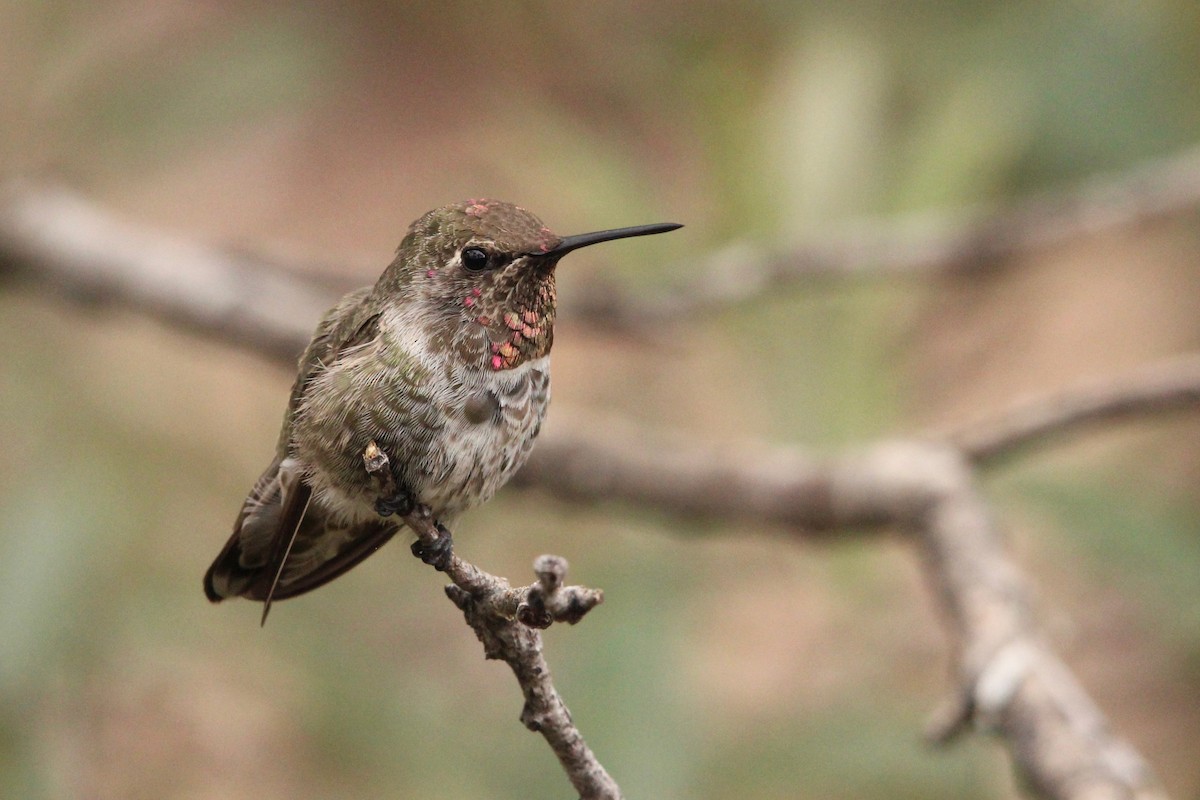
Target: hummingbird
point(441, 368)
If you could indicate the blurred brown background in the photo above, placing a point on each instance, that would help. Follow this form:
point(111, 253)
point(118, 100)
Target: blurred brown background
point(730, 665)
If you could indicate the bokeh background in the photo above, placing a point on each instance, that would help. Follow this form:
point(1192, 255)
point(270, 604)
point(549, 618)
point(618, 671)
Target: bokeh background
point(732, 664)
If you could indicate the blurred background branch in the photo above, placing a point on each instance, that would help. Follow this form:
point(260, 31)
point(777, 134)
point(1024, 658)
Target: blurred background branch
point(961, 241)
point(55, 229)
point(73, 248)
point(1055, 732)
point(1168, 386)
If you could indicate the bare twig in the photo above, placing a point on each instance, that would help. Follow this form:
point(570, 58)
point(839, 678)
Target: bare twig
point(1010, 680)
point(507, 621)
point(520, 646)
point(501, 617)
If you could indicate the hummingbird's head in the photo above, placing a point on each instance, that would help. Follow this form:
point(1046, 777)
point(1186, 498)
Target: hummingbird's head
point(487, 269)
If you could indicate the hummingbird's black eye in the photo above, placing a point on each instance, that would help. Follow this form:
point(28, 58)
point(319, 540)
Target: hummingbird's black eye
point(475, 259)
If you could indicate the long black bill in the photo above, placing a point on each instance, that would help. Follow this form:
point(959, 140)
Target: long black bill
point(584, 239)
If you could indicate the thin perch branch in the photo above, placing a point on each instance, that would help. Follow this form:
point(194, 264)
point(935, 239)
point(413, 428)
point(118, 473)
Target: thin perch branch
point(508, 623)
point(520, 646)
point(501, 617)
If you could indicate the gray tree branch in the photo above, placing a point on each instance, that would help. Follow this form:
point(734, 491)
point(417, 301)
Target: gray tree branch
point(1009, 679)
point(508, 623)
point(1170, 385)
point(918, 245)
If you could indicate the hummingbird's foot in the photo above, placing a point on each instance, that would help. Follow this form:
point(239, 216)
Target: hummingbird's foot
point(393, 497)
point(400, 503)
point(436, 553)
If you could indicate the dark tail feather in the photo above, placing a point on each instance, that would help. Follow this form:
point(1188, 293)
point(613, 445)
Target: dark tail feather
point(282, 522)
point(291, 540)
point(292, 566)
point(209, 591)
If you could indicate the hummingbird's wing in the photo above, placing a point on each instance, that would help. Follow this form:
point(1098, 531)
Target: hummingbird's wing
point(350, 323)
point(282, 545)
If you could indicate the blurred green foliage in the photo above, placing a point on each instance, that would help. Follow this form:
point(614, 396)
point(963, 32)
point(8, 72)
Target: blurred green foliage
point(127, 447)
